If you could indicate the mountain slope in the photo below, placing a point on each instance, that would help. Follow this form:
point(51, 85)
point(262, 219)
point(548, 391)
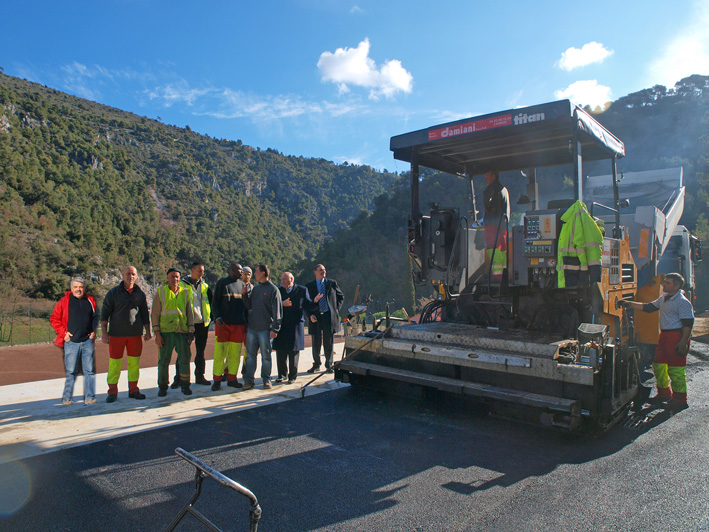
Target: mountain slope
point(86, 188)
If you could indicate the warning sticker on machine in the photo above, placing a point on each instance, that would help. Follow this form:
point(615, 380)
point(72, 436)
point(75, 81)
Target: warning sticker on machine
point(606, 258)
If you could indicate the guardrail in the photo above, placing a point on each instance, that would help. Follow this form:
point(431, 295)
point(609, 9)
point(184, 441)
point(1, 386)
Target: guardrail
point(202, 471)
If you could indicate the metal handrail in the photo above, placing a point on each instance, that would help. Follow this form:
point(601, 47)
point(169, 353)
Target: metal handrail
point(492, 258)
point(464, 222)
point(202, 471)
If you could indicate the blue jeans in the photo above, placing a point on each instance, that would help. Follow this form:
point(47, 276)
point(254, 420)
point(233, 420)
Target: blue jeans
point(72, 352)
point(254, 341)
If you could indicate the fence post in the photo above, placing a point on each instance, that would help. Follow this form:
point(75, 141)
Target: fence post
point(29, 312)
point(12, 322)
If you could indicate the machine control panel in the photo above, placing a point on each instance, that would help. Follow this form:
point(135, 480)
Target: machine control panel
point(536, 251)
point(538, 248)
point(540, 238)
point(540, 226)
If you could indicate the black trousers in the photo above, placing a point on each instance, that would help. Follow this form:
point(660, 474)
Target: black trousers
point(285, 360)
point(323, 337)
point(200, 343)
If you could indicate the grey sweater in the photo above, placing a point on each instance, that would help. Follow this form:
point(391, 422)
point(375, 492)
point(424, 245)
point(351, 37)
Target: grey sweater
point(265, 307)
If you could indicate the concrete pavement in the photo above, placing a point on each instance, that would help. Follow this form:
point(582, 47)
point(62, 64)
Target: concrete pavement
point(33, 421)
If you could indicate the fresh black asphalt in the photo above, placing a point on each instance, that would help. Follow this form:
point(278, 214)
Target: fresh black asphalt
point(359, 460)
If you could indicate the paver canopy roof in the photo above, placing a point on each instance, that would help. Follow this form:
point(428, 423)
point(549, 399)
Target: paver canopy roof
point(529, 137)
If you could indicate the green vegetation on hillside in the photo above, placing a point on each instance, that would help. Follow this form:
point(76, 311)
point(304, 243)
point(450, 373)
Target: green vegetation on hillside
point(87, 189)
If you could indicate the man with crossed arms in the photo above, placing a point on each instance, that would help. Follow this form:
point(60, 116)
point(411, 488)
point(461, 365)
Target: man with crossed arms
point(323, 316)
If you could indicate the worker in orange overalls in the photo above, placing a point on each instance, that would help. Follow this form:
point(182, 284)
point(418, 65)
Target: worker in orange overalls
point(676, 322)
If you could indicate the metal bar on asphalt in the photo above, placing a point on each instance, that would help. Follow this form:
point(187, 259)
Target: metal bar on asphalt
point(203, 470)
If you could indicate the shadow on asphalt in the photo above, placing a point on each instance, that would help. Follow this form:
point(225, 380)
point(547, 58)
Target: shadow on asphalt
point(313, 463)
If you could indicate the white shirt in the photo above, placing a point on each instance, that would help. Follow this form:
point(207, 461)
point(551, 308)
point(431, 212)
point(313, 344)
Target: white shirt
point(673, 310)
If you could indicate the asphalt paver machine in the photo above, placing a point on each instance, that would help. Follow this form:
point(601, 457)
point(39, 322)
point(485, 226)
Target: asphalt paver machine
point(528, 346)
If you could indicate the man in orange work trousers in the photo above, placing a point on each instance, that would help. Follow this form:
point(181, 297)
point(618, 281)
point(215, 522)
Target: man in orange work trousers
point(676, 322)
point(124, 317)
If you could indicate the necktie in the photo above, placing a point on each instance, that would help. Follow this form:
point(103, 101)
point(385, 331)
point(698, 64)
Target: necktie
point(323, 301)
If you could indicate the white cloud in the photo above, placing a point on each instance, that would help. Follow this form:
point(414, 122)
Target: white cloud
point(686, 54)
point(592, 52)
point(226, 103)
point(177, 92)
point(587, 92)
point(353, 66)
point(237, 104)
point(86, 81)
point(356, 10)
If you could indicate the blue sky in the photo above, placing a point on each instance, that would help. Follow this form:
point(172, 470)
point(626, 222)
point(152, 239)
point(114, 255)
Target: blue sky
point(336, 79)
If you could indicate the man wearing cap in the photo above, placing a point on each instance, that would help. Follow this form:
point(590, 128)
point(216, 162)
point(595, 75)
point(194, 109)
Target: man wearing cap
point(124, 317)
point(323, 316)
point(246, 275)
point(202, 311)
point(173, 325)
point(75, 320)
point(229, 327)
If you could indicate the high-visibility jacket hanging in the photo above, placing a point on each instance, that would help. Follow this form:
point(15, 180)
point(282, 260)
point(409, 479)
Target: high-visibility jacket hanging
point(580, 244)
point(174, 308)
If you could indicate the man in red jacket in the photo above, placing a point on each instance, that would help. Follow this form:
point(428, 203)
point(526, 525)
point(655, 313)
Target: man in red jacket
point(75, 320)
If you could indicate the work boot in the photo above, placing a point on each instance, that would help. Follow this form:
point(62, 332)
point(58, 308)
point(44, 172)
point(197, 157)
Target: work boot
point(162, 392)
point(675, 405)
point(248, 385)
point(314, 369)
point(216, 385)
point(234, 384)
point(663, 395)
point(111, 398)
point(201, 380)
point(678, 401)
point(136, 395)
point(176, 383)
point(186, 390)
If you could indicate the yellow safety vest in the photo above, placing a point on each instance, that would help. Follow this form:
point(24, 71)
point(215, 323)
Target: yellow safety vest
point(174, 308)
point(206, 307)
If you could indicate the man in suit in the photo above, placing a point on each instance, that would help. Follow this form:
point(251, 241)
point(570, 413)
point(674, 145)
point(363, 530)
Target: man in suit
point(291, 337)
point(323, 316)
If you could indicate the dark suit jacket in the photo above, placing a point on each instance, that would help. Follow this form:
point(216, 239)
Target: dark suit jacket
point(335, 298)
point(291, 336)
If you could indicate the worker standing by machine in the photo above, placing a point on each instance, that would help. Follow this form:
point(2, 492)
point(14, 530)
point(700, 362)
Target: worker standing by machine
point(496, 202)
point(676, 322)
